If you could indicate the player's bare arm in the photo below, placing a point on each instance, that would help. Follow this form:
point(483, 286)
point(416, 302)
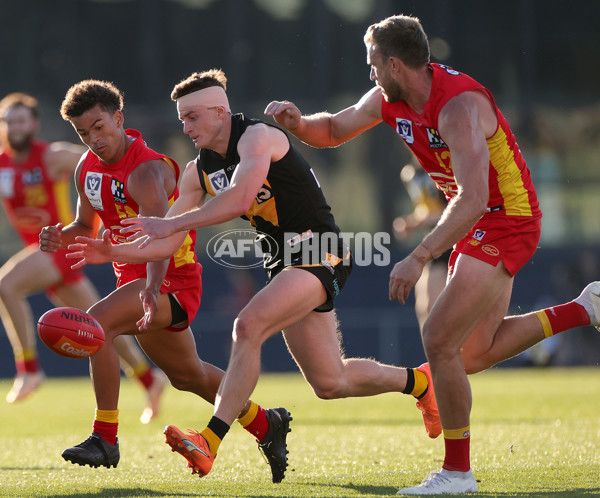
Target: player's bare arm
point(256, 148)
point(85, 223)
point(62, 158)
point(325, 129)
point(464, 124)
point(150, 185)
point(90, 251)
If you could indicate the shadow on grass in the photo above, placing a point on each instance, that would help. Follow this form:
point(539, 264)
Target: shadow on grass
point(366, 490)
point(115, 492)
point(30, 468)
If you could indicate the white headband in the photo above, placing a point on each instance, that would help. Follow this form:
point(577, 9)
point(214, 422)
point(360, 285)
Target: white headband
point(211, 96)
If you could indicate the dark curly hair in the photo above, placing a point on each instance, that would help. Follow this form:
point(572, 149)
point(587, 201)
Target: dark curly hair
point(85, 95)
point(199, 81)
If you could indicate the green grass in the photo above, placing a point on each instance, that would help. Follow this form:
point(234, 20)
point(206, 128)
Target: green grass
point(535, 432)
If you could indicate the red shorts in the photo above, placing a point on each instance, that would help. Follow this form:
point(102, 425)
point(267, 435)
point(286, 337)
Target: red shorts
point(63, 265)
point(184, 283)
point(512, 240)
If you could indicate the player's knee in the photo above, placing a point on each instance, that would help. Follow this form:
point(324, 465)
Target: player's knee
point(328, 388)
point(436, 347)
point(475, 364)
point(247, 329)
point(6, 289)
point(102, 312)
point(185, 377)
point(182, 381)
point(192, 378)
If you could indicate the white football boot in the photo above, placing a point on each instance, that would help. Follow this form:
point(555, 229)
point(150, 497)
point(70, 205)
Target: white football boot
point(444, 482)
point(590, 300)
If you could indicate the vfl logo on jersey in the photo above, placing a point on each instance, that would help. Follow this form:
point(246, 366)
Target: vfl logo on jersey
point(404, 129)
point(117, 188)
point(33, 177)
point(219, 181)
point(264, 194)
point(435, 142)
point(478, 235)
point(93, 188)
point(449, 70)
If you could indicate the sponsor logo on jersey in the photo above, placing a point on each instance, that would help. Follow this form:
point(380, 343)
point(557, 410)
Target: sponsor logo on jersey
point(449, 70)
point(296, 239)
point(219, 181)
point(404, 129)
point(117, 188)
point(264, 194)
point(93, 189)
point(33, 176)
point(491, 250)
point(435, 142)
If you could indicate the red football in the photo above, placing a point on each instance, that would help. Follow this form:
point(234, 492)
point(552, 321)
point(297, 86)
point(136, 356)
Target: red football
point(70, 332)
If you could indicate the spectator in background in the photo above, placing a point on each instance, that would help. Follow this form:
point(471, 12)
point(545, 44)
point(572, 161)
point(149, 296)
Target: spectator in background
point(34, 186)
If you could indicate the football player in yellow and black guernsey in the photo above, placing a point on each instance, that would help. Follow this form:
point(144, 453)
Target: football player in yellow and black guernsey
point(252, 170)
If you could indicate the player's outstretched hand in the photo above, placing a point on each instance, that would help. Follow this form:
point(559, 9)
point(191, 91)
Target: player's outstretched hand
point(90, 251)
point(148, 299)
point(146, 228)
point(284, 113)
point(51, 238)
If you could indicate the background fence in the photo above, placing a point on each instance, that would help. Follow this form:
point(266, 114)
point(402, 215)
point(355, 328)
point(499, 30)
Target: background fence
point(538, 57)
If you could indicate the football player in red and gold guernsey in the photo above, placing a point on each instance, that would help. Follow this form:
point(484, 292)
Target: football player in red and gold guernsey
point(119, 178)
point(453, 126)
point(35, 181)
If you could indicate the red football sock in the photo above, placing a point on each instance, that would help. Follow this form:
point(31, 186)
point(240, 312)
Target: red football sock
point(146, 378)
point(563, 317)
point(457, 443)
point(107, 430)
point(255, 421)
point(27, 361)
point(106, 424)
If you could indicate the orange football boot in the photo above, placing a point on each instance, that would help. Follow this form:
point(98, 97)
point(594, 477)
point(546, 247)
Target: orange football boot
point(193, 447)
point(428, 405)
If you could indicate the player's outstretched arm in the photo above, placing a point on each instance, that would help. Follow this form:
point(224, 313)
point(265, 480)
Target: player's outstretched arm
point(325, 129)
point(91, 251)
point(145, 229)
point(258, 146)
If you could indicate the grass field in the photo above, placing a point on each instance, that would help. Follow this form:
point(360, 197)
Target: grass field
point(535, 432)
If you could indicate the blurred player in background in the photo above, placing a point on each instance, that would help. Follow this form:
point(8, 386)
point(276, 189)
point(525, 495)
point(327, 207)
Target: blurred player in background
point(453, 126)
point(120, 178)
point(429, 204)
point(35, 181)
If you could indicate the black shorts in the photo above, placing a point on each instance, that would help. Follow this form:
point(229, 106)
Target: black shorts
point(332, 271)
